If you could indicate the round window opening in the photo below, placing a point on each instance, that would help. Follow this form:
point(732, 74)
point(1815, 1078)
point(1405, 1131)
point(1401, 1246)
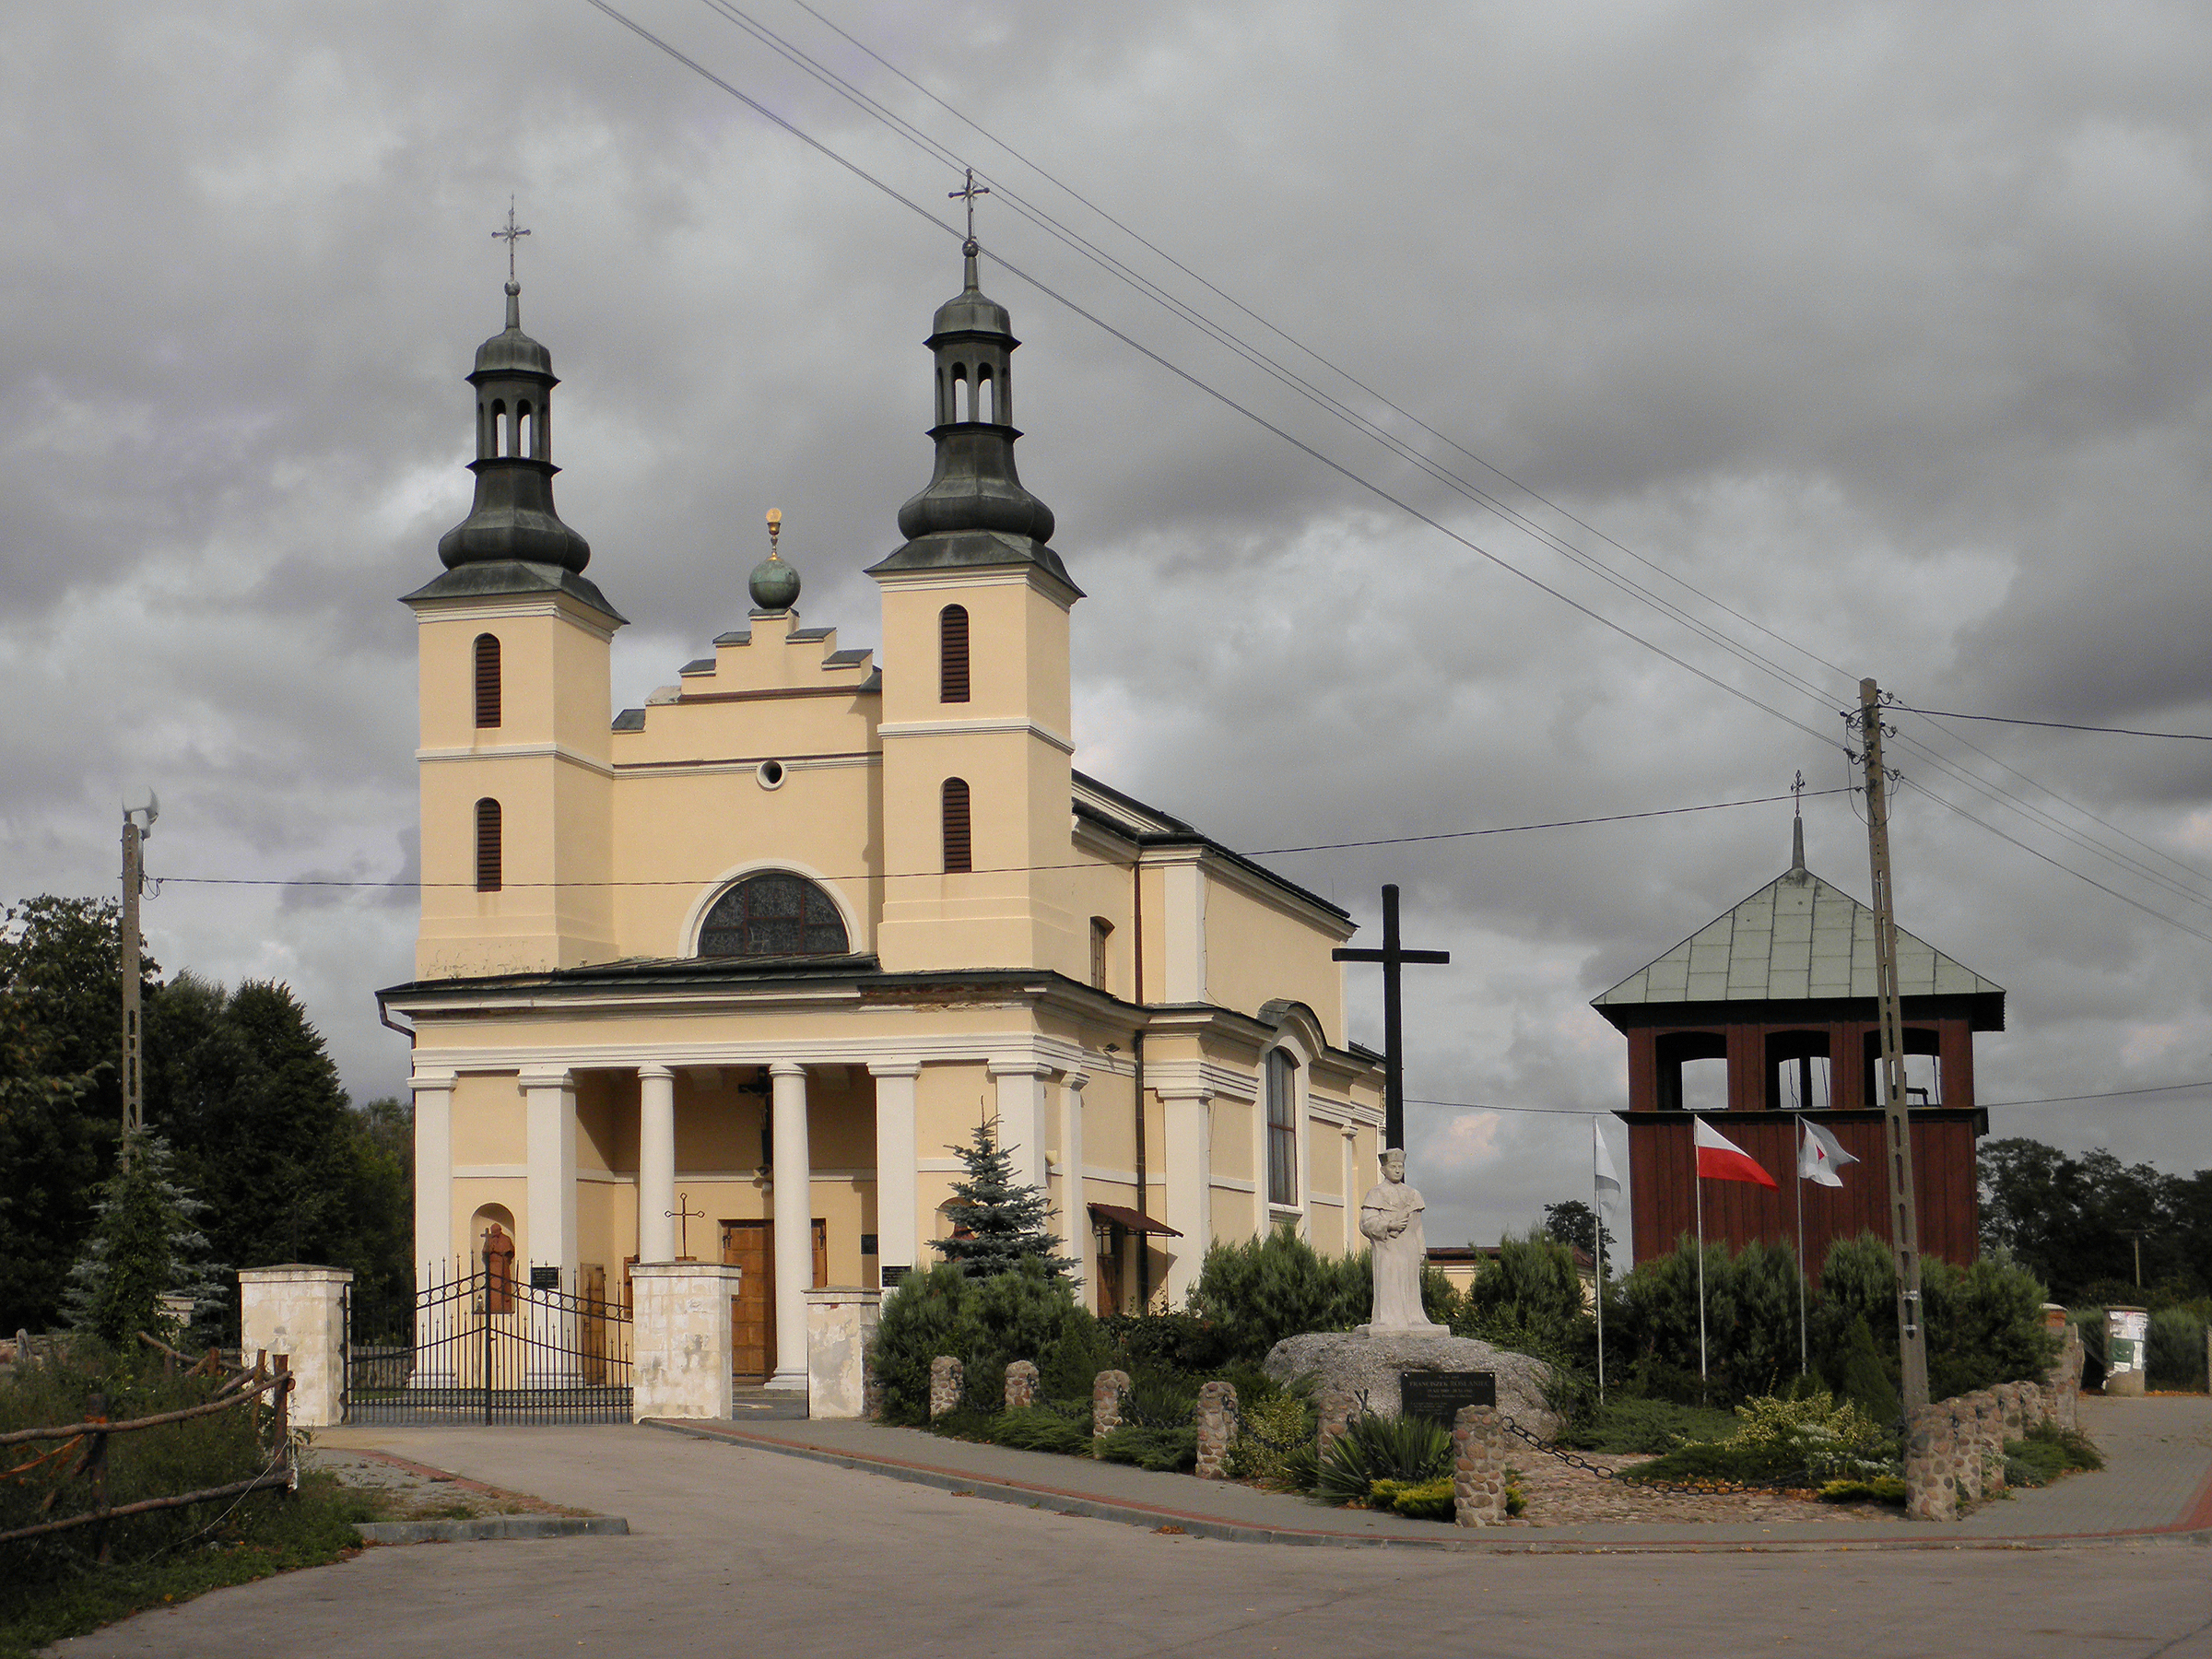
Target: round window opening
point(768, 774)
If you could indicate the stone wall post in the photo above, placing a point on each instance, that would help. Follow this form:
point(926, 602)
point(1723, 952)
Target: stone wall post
point(679, 1339)
point(1106, 1391)
point(1931, 1483)
point(2064, 1383)
point(841, 1331)
point(1989, 1414)
point(1479, 1467)
point(1335, 1409)
point(1217, 1422)
point(1021, 1384)
point(299, 1311)
point(946, 1376)
point(1966, 1447)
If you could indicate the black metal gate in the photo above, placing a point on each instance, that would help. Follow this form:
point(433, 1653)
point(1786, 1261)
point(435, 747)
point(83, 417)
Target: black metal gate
point(492, 1349)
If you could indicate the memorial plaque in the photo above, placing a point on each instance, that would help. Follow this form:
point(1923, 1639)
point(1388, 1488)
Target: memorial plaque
point(894, 1276)
point(545, 1279)
point(1438, 1395)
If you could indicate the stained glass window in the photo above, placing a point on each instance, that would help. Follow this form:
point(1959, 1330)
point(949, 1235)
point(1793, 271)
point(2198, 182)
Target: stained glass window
point(773, 913)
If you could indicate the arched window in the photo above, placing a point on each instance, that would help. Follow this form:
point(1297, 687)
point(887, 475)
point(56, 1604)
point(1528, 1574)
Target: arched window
point(524, 426)
point(952, 654)
point(487, 679)
point(488, 846)
point(773, 913)
point(985, 393)
point(963, 408)
point(956, 858)
point(1282, 1128)
point(499, 426)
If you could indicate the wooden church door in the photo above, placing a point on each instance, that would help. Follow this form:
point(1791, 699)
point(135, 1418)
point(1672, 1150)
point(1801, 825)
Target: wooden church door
point(750, 1245)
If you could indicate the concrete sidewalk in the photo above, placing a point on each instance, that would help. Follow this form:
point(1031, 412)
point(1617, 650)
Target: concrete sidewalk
point(2157, 1485)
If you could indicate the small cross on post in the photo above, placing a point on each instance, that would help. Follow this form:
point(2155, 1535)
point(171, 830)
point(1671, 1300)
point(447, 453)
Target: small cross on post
point(967, 191)
point(681, 1214)
point(1392, 956)
point(509, 233)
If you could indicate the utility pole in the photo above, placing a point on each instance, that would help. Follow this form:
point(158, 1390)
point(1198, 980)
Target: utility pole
point(134, 877)
point(1897, 1126)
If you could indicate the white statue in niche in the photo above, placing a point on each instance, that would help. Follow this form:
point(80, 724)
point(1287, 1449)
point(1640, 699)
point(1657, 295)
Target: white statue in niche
point(1391, 1217)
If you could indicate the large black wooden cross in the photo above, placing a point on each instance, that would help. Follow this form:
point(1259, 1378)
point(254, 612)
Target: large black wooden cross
point(1392, 956)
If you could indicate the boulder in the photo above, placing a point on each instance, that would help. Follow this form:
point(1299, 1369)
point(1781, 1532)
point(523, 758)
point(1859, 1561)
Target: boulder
point(1371, 1365)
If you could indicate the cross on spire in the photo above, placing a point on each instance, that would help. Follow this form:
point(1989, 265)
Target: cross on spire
point(1797, 823)
point(509, 234)
point(967, 191)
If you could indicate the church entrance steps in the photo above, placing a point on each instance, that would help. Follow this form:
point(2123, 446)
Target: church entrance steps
point(767, 1404)
point(2157, 1488)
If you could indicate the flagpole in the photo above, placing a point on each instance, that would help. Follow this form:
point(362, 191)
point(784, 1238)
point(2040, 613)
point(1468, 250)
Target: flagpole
point(1804, 1345)
point(1698, 1182)
point(1597, 1241)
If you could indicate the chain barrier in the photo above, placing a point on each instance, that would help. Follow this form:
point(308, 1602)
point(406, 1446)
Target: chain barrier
point(1713, 1487)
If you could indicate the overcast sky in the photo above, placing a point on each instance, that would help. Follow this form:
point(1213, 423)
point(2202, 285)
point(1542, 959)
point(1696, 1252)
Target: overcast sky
point(1878, 324)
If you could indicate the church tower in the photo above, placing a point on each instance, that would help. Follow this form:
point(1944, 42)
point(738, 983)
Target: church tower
point(976, 748)
point(515, 764)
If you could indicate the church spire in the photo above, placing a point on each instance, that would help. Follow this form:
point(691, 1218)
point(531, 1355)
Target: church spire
point(975, 510)
point(513, 517)
point(1797, 826)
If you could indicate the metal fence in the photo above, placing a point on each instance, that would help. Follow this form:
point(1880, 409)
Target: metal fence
point(486, 1348)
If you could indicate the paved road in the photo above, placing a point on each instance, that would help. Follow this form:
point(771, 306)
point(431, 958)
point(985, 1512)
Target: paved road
point(736, 1551)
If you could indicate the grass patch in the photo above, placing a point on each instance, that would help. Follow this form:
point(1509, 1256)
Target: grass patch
point(2046, 1452)
point(267, 1534)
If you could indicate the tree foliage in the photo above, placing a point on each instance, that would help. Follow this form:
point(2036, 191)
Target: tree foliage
point(1254, 1292)
point(998, 1223)
point(145, 1244)
point(2073, 1221)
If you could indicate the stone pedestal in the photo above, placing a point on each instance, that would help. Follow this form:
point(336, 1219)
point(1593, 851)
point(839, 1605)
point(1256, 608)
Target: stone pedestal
point(1478, 1467)
point(945, 1377)
point(1217, 1422)
point(1021, 1384)
point(841, 1329)
point(1966, 1446)
point(1360, 1366)
point(680, 1339)
point(299, 1311)
point(1106, 1391)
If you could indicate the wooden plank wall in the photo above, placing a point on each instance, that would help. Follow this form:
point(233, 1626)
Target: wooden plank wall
point(1663, 1199)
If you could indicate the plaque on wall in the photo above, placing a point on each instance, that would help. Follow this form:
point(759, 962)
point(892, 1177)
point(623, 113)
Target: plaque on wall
point(892, 1277)
point(545, 1279)
point(1438, 1395)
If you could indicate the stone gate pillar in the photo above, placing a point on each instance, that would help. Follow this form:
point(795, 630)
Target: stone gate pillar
point(299, 1311)
point(679, 1340)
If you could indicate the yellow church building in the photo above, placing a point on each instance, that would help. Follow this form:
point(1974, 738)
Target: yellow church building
point(728, 976)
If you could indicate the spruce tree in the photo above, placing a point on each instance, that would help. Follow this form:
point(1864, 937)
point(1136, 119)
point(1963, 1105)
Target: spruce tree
point(146, 1243)
point(998, 1222)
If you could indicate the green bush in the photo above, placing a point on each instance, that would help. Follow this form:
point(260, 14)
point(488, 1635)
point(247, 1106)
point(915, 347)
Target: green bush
point(1534, 1274)
point(1984, 1322)
point(2177, 1348)
point(1042, 1430)
point(1373, 1447)
point(1882, 1488)
point(1423, 1501)
point(2046, 1452)
point(1750, 1322)
point(1829, 1441)
point(1167, 1450)
point(924, 1316)
point(984, 1323)
point(1271, 1433)
point(1257, 1292)
point(1728, 1463)
point(1647, 1426)
point(1860, 1377)
point(1178, 1342)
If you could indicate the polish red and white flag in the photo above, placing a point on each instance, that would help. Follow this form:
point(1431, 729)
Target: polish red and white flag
point(1719, 1159)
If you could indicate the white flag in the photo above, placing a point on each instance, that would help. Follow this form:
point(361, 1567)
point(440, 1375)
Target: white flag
point(1819, 1155)
point(1604, 1176)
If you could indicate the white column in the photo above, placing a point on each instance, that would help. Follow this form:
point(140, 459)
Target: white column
point(899, 1241)
point(1353, 1190)
point(1190, 1186)
point(433, 1176)
point(1075, 1215)
point(1023, 1115)
point(549, 1141)
point(657, 1163)
point(794, 1208)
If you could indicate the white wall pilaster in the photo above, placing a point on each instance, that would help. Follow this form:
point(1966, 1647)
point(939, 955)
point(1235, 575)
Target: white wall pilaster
point(1190, 1184)
point(433, 1176)
point(1182, 927)
point(1024, 1120)
point(792, 1197)
point(657, 1163)
point(550, 1139)
point(1075, 1215)
point(898, 1241)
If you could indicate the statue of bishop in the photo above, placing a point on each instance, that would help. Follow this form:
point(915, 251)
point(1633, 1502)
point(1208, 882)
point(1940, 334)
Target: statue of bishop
point(1391, 1217)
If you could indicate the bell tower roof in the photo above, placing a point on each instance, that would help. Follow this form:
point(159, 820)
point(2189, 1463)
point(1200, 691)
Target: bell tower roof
point(975, 512)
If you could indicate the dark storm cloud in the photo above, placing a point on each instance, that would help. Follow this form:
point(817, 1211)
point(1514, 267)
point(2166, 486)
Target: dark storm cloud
point(1878, 323)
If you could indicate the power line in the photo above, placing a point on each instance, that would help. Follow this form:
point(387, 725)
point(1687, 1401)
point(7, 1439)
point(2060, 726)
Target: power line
point(1616, 818)
point(2058, 725)
point(2106, 1094)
